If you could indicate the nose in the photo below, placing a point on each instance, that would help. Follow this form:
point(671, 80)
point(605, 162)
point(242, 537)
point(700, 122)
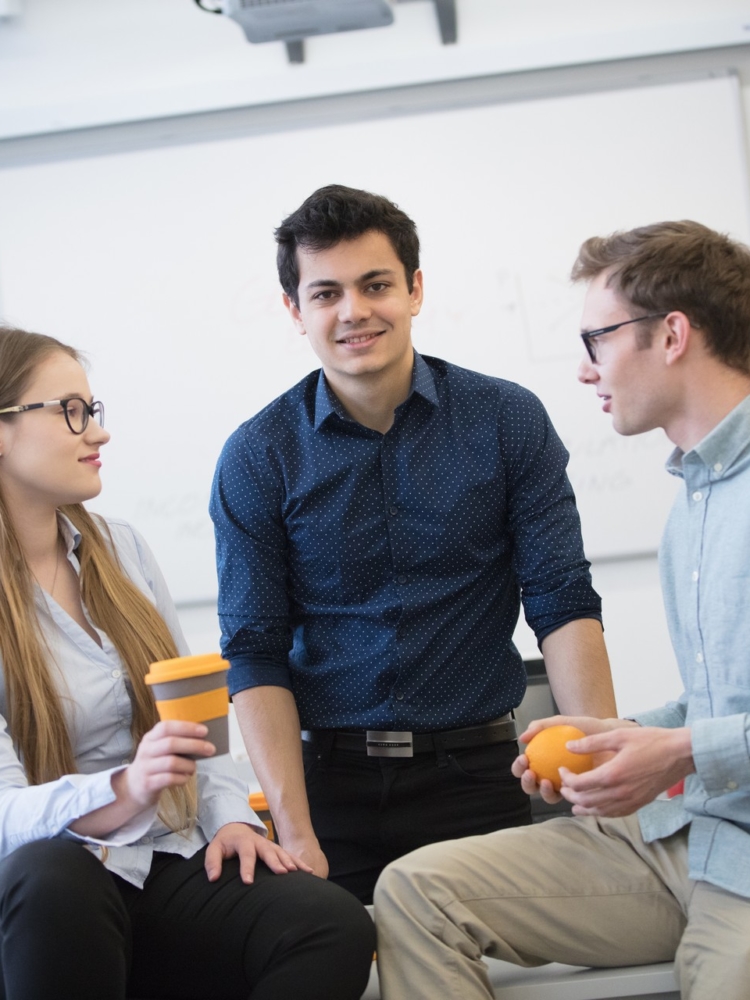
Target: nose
point(354, 307)
point(587, 372)
point(96, 435)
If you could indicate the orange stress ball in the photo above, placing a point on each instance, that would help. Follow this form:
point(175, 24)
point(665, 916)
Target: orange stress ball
point(547, 752)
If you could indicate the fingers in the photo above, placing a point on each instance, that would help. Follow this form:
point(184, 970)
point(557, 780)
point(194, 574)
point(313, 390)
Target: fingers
point(519, 766)
point(585, 723)
point(593, 794)
point(213, 859)
point(597, 742)
point(169, 739)
point(163, 759)
point(539, 724)
point(279, 860)
point(311, 855)
point(174, 737)
point(241, 841)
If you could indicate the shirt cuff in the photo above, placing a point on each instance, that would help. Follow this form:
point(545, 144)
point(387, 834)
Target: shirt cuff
point(246, 672)
point(667, 717)
point(720, 753)
point(223, 798)
point(100, 793)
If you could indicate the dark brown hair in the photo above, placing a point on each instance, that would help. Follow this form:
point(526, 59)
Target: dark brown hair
point(335, 213)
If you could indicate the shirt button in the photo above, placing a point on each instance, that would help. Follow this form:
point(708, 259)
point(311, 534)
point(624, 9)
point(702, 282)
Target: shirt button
point(731, 786)
point(399, 696)
point(116, 674)
point(695, 575)
point(718, 467)
point(697, 496)
point(393, 511)
point(146, 840)
point(402, 578)
point(699, 657)
point(124, 760)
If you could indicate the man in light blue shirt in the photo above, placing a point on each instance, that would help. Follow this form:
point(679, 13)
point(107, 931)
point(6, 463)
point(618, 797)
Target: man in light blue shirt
point(635, 877)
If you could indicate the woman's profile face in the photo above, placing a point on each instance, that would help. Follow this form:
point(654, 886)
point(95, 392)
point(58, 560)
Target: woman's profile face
point(42, 463)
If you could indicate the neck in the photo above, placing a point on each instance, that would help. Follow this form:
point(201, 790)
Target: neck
point(37, 532)
point(371, 399)
point(706, 403)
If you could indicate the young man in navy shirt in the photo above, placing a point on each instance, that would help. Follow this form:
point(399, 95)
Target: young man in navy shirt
point(377, 527)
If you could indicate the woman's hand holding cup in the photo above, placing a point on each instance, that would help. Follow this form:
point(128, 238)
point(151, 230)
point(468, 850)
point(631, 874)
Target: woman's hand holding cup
point(165, 758)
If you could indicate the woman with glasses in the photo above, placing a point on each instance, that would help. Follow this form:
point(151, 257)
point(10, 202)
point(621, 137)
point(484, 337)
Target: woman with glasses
point(126, 869)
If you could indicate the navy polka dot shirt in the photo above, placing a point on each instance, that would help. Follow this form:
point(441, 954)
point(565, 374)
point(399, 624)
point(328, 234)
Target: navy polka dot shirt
point(379, 576)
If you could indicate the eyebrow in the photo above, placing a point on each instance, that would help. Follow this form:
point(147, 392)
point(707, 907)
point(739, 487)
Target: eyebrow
point(367, 276)
point(76, 395)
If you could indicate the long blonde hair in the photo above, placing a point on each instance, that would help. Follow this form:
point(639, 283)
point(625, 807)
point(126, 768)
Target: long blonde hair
point(116, 606)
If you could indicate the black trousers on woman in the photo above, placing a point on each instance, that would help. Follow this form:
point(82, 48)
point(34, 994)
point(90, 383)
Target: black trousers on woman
point(70, 930)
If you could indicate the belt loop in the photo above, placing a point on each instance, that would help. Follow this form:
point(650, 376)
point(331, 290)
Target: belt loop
point(440, 753)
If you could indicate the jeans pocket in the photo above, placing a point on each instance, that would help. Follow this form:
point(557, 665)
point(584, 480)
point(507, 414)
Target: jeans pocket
point(488, 763)
point(312, 760)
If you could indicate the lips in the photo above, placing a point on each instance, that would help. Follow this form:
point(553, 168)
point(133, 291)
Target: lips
point(92, 460)
point(362, 337)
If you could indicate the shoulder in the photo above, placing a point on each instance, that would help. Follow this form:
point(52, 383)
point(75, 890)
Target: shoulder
point(281, 420)
point(492, 393)
point(128, 544)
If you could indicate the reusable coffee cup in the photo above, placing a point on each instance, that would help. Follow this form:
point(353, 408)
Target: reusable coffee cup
point(194, 689)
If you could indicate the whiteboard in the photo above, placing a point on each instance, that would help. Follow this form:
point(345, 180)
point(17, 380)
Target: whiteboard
point(160, 265)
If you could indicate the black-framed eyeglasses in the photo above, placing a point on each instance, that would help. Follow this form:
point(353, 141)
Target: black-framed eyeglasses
point(77, 411)
point(588, 338)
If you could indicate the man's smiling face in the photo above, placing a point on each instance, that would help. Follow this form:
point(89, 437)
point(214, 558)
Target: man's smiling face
point(356, 308)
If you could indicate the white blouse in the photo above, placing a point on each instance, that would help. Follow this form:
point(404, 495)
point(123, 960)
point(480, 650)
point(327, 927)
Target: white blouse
point(94, 688)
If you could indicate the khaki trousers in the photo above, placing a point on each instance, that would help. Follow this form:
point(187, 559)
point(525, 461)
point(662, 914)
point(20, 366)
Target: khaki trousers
point(579, 891)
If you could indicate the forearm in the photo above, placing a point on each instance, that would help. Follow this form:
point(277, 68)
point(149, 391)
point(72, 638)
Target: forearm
point(578, 669)
point(102, 822)
point(270, 727)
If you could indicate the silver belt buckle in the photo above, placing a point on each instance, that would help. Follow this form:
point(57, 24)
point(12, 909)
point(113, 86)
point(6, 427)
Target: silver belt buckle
point(385, 743)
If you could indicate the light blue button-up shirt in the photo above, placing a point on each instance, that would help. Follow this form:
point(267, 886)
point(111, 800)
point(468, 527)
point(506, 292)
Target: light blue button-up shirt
point(705, 570)
point(93, 682)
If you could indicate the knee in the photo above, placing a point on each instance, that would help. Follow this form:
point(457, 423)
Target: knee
point(416, 876)
point(338, 915)
point(49, 871)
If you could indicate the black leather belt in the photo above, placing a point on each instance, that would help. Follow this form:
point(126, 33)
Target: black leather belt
point(400, 743)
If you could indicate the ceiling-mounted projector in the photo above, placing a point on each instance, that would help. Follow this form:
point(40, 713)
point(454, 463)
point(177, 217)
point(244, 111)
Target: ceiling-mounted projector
point(293, 20)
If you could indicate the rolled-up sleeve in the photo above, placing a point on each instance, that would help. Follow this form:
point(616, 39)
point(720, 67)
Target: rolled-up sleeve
point(549, 560)
point(252, 567)
point(669, 716)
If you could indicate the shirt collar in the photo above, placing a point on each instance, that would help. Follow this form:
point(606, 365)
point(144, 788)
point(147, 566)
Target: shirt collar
point(423, 380)
point(71, 535)
point(722, 446)
point(327, 402)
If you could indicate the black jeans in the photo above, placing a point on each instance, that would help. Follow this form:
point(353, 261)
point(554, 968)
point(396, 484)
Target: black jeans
point(368, 811)
point(70, 930)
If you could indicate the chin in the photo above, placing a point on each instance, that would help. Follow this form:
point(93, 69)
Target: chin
point(93, 490)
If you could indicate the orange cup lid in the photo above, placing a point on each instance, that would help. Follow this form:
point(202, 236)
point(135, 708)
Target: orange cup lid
point(180, 667)
point(258, 802)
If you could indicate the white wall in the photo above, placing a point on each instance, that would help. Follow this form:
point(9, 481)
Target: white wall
point(72, 64)
point(76, 63)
